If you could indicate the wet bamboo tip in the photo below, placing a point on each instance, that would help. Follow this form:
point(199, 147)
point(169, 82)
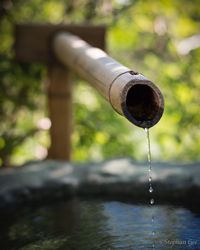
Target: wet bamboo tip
point(140, 101)
point(144, 105)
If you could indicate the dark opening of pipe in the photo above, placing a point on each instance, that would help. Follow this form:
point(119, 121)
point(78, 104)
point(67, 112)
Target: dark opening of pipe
point(142, 104)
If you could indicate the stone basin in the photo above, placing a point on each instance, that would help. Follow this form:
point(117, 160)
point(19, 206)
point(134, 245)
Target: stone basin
point(46, 181)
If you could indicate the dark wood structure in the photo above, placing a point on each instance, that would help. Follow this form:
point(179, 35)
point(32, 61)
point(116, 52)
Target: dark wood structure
point(33, 45)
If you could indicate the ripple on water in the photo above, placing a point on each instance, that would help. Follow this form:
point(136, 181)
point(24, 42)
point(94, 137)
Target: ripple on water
point(99, 225)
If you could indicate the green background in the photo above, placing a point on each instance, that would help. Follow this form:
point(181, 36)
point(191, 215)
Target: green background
point(156, 38)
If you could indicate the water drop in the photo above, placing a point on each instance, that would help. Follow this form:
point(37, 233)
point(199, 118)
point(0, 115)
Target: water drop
point(150, 189)
point(152, 201)
point(150, 180)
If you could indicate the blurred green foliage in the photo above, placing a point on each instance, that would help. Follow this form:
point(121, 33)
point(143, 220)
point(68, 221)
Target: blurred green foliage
point(148, 36)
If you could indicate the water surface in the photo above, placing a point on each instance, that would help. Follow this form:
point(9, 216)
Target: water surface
point(100, 225)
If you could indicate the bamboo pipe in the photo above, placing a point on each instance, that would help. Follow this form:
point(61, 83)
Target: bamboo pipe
point(130, 93)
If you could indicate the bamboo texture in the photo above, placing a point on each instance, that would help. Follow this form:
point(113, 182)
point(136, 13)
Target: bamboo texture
point(130, 93)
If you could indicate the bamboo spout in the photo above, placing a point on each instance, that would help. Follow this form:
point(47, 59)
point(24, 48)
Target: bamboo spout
point(130, 93)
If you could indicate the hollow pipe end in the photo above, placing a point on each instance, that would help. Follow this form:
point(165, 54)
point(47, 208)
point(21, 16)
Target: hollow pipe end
point(137, 98)
point(143, 103)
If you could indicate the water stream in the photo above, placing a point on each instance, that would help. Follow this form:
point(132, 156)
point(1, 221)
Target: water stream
point(151, 190)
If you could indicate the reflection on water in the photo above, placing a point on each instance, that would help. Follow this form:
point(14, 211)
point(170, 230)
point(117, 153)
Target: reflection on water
point(99, 225)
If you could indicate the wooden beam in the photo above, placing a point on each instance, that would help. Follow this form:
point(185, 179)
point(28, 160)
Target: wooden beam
point(59, 92)
point(33, 41)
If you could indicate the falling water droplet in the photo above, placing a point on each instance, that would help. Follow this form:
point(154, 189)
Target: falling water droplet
point(150, 183)
point(150, 189)
point(152, 201)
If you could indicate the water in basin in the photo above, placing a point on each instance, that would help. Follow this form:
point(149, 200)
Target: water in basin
point(97, 224)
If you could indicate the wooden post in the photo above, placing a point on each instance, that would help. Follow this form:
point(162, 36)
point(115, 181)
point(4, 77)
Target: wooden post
point(33, 44)
point(59, 94)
